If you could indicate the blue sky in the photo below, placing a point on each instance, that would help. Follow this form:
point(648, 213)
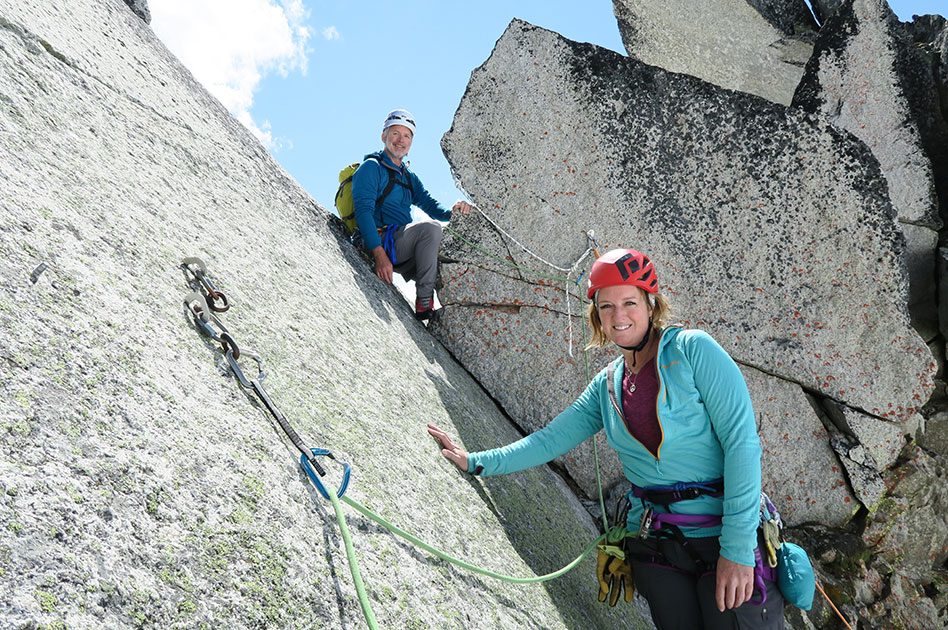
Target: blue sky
point(313, 79)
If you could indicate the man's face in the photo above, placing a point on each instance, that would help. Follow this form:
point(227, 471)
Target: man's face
point(397, 140)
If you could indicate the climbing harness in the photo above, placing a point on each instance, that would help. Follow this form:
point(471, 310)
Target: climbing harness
point(205, 319)
point(681, 491)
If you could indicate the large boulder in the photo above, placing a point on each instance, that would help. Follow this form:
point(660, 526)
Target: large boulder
point(926, 85)
point(771, 229)
point(857, 79)
point(140, 487)
point(758, 46)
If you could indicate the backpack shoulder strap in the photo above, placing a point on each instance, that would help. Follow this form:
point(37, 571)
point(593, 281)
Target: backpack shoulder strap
point(408, 182)
point(392, 179)
point(388, 188)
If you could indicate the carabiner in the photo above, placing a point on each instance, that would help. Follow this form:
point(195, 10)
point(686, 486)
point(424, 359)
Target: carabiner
point(238, 372)
point(196, 305)
point(308, 468)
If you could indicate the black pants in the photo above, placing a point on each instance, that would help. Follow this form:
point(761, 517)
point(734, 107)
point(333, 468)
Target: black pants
point(682, 596)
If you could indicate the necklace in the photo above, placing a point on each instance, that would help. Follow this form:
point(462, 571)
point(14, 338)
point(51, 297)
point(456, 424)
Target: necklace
point(632, 380)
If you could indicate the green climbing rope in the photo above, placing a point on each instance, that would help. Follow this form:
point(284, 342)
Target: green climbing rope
point(465, 565)
point(353, 563)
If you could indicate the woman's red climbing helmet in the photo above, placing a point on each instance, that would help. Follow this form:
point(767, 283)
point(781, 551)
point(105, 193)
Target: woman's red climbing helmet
point(622, 266)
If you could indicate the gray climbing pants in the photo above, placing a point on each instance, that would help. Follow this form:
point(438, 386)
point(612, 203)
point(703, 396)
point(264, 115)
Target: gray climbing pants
point(416, 255)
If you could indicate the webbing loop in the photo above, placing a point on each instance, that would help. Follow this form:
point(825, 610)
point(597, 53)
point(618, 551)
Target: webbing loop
point(388, 241)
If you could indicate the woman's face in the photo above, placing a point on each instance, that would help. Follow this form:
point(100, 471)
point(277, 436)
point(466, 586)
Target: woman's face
point(624, 313)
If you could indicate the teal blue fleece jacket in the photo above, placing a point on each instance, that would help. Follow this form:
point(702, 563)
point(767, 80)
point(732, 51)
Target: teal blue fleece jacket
point(708, 431)
point(368, 184)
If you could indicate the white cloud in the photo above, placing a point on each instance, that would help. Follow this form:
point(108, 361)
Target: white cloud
point(331, 33)
point(230, 45)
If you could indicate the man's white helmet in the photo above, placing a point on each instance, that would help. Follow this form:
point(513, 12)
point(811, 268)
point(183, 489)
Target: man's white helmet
point(399, 117)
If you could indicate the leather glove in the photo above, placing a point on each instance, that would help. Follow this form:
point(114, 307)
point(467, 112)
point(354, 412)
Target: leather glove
point(613, 571)
point(614, 574)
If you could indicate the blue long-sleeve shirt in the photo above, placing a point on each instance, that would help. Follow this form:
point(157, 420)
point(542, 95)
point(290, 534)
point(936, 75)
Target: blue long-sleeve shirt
point(708, 431)
point(368, 184)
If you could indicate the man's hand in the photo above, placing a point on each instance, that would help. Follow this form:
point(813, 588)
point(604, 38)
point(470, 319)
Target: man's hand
point(462, 206)
point(383, 266)
point(735, 584)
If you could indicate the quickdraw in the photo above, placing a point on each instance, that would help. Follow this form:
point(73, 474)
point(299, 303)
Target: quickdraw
point(771, 527)
point(207, 322)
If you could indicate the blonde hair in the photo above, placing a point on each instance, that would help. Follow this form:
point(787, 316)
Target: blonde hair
point(661, 313)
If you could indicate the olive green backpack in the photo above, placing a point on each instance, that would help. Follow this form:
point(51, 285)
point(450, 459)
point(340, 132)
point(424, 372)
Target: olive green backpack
point(343, 202)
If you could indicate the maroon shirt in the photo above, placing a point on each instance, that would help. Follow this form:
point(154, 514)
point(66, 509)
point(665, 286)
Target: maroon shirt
point(641, 407)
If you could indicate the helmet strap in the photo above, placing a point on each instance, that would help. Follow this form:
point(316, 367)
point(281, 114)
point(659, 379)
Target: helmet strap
point(638, 347)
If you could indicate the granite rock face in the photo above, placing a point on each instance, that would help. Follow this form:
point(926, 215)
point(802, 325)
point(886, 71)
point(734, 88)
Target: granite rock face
point(906, 529)
point(140, 487)
point(854, 80)
point(857, 79)
point(727, 193)
point(798, 467)
point(140, 8)
point(764, 55)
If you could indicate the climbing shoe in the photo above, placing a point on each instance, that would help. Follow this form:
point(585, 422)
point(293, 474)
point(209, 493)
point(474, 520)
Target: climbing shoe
point(424, 309)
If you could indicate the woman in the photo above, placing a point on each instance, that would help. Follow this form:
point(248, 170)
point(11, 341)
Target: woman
point(686, 419)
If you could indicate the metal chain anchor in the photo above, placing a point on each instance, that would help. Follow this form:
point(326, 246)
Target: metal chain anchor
point(202, 312)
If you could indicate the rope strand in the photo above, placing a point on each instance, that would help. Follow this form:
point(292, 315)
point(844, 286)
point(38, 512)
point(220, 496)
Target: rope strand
point(832, 605)
point(569, 271)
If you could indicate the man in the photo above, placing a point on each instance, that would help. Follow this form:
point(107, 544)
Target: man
point(383, 191)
